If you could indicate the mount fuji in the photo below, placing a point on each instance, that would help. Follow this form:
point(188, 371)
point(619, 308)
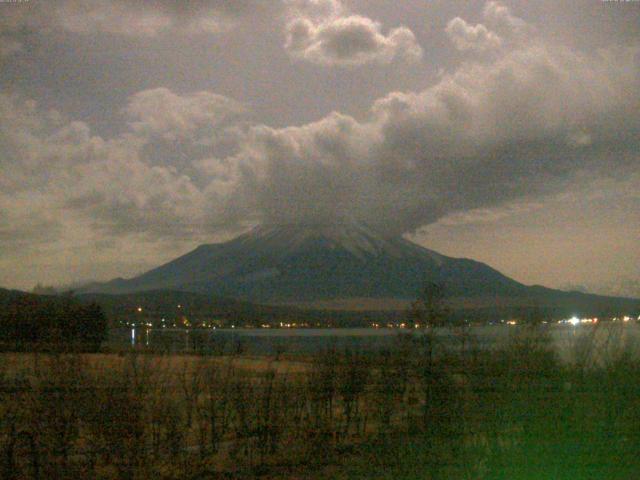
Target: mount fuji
point(325, 264)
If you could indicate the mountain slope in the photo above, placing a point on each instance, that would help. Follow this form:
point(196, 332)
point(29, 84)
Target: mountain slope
point(348, 267)
point(298, 263)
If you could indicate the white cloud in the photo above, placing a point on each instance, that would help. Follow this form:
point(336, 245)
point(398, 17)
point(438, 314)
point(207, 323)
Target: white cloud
point(58, 176)
point(161, 112)
point(337, 38)
point(472, 37)
point(502, 30)
point(501, 16)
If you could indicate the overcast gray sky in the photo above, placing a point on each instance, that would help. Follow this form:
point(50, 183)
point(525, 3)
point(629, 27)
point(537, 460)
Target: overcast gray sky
point(508, 132)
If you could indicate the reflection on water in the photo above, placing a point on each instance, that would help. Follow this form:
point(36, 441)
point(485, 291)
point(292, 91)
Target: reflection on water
point(567, 339)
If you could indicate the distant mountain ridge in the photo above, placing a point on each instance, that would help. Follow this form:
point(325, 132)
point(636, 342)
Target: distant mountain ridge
point(303, 264)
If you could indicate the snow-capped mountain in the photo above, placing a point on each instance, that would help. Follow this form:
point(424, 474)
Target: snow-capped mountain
point(356, 239)
point(300, 263)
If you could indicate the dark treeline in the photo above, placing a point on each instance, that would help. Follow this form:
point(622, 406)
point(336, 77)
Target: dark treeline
point(412, 411)
point(197, 308)
point(186, 310)
point(60, 323)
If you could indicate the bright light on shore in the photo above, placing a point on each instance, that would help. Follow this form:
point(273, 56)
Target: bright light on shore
point(577, 321)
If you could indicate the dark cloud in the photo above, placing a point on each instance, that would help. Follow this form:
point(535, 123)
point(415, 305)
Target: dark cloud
point(520, 124)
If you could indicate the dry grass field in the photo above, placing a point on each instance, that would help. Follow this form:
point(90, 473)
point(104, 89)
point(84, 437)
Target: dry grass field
point(28, 363)
point(515, 412)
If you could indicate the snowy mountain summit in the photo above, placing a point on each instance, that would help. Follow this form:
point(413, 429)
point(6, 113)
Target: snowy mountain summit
point(357, 239)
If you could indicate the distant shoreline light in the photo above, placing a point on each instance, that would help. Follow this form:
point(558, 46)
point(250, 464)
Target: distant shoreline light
point(577, 321)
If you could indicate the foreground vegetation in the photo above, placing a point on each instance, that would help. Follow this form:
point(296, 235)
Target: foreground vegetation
point(412, 411)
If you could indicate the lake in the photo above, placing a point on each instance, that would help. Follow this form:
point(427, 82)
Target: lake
point(567, 339)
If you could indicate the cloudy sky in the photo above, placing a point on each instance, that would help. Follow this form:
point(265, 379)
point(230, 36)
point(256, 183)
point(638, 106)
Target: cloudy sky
point(508, 132)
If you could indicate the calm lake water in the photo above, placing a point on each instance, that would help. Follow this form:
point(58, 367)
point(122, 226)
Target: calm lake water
point(567, 339)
